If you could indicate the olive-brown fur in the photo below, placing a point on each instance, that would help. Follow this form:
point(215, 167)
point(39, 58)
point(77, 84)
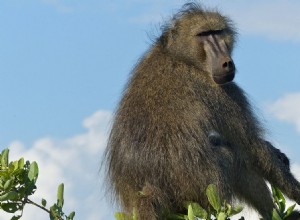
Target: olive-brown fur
point(159, 143)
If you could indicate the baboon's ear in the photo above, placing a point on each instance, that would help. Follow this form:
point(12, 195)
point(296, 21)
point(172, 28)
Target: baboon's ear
point(167, 38)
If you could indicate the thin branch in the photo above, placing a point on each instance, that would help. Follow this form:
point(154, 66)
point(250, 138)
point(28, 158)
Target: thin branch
point(41, 207)
point(35, 204)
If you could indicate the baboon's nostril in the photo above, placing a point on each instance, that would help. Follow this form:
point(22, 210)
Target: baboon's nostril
point(228, 65)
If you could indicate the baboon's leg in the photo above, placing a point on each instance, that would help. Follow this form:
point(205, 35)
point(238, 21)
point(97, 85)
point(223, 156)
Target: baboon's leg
point(276, 170)
point(151, 203)
point(145, 209)
point(251, 188)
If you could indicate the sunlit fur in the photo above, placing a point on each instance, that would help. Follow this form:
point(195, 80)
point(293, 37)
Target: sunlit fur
point(159, 141)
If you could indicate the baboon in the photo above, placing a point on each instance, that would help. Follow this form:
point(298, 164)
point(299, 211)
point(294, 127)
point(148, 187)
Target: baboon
point(183, 124)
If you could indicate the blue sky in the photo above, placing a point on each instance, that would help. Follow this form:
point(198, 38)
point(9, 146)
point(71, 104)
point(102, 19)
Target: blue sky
point(64, 64)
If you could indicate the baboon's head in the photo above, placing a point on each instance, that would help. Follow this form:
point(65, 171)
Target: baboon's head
point(203, 39)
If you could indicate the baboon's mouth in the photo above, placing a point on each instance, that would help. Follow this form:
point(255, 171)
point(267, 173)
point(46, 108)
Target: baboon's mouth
point(225, 78)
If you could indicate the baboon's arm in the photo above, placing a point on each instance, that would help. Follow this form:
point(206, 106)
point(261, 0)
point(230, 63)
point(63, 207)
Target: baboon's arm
point(275, 168)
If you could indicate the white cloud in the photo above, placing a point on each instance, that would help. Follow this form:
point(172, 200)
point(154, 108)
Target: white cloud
point(274, 19)
point(277, 19)
point(296, 170)
point(287, 109)
point(75, 161)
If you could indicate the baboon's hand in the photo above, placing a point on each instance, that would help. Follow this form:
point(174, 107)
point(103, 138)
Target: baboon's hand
point(281, 156)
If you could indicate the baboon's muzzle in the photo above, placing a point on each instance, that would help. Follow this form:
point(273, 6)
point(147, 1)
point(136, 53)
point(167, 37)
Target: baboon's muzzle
point(226, 71)
point(218, 62)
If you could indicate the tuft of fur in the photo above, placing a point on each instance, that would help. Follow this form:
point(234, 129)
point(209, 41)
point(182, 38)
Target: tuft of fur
point(161, 145)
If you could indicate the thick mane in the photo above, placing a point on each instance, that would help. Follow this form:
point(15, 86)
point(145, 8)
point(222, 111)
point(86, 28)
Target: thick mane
point(190, 8)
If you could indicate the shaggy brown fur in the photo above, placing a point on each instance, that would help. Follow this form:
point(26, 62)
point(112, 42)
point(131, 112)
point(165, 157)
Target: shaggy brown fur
point(182, 125)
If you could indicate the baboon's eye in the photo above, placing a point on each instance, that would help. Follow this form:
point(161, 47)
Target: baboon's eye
point(210, 32)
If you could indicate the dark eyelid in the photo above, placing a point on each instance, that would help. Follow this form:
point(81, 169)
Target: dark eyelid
point(210, 32)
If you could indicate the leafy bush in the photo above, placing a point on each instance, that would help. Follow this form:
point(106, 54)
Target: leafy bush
point(219, 210)
point(280, 211)
point(18, 182)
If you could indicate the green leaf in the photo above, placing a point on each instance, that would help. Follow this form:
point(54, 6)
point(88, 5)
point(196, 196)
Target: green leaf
point(275, 215)
point(274, 194)
point(53, 212)
point(8, 184)
point(279, 198)
point(4, 158)
point(56, 212)
point(198, 211)
point(9, 196)
point(30, 188)
point(277, 194)
point(213, 197)
point(10, 207)
point(44, 202)
point(221, 216)
point(15, 164)
point(228, 209)
point(191, 215)
point(60, 195)
point(33, 171)
point(186, 204)
point(235, 210)
point(122, 216)
point(289, 210)
point(16, 217)
point(21, 163)
point(71, 216)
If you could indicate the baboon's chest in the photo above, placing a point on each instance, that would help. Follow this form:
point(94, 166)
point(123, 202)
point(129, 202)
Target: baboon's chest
point(229, 113)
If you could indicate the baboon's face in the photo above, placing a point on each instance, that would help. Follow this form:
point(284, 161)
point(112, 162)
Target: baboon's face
point(206, 42)
point(218, 60)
